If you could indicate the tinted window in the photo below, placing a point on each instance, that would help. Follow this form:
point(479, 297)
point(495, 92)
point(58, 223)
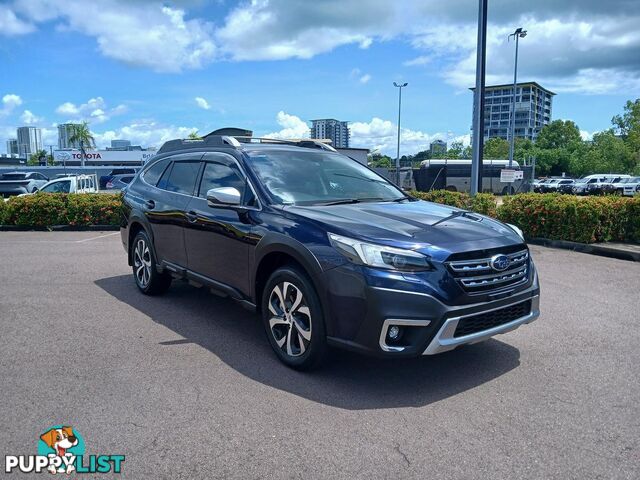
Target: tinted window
point(126, 179)
point(58, 187)
point(216, 175)
point(152, 174)
point(182, 178)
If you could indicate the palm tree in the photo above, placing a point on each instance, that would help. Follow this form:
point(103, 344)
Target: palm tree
point(81, 135)
point(194, 135)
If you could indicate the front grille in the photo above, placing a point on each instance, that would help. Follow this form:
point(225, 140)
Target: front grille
point(485, 321)
point(477, 275)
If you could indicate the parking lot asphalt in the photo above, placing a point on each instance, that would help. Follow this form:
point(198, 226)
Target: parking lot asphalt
point(186, 386)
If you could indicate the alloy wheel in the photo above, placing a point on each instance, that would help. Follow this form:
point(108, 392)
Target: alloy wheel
point(290, 321)
point(142, 263)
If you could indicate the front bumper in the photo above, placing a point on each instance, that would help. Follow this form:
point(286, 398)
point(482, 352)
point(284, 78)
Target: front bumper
point(360, 317)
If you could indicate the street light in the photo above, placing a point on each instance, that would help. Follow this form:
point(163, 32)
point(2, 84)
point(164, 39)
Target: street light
point(519, 33)
point(400, 86)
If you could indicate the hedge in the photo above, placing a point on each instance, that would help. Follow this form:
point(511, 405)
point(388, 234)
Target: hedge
point(48, 209)
point(552, 216)
point(576, 219)
point(484, 203)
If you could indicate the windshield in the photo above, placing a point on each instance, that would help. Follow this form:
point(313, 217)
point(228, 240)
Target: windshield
point(318, 177)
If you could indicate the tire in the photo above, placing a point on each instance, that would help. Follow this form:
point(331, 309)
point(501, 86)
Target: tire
point(296, 332)
point(145, 267)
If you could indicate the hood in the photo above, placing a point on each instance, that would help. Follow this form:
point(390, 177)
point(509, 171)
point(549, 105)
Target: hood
point(410, 223)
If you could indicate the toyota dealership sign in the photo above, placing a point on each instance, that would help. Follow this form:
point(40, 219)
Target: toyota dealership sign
point(103, 157)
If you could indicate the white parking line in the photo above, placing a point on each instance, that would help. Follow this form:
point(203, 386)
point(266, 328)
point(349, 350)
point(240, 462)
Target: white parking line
point(96, 238)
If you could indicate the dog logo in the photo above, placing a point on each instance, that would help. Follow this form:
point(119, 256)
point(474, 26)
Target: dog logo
point(62, 442)
point(61, 449)
point(500, 262)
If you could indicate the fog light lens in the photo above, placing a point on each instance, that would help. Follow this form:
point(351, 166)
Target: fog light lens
point(394, 332)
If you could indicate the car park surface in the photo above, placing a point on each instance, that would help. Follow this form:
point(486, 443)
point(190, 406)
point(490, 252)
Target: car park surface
point(186, 386)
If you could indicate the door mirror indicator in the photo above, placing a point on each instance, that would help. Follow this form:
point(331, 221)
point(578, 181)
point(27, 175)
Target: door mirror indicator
point(224, 197)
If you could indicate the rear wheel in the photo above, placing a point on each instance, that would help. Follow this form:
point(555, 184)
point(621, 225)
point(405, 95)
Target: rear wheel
point(293, 319)
point(145, 267)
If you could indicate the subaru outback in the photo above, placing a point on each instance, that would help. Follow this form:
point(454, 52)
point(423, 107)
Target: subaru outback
point(328, 252)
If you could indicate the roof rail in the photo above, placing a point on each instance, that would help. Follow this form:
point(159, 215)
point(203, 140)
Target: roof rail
point(227, 141)
point(210, 141)
point(303, 142)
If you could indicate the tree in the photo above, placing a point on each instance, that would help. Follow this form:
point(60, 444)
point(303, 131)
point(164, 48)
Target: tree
point(607, 153)
point(628, 126)
point(194, 135)
point(523, 150)
point(555, 145)
point(377, 160)
point(81, 135)
point(496, 149)
point(455, 151)
point(34, 158)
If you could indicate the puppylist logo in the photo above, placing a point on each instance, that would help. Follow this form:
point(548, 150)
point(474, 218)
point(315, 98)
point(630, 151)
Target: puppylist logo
point(61, 449)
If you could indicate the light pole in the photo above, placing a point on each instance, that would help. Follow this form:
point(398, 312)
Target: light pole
point(478, 100)
point(519, 33)
point(400, 87)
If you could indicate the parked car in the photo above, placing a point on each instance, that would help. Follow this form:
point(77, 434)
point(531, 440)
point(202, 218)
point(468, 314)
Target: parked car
point(629, 186)
point(326, 250)
point(607, 186)
point(538, 184)
point(118, 182)
point(116, 171)
point(72, 184)
point(590, 183)
point(566, 187)
point(16, 183)
point(554, 185)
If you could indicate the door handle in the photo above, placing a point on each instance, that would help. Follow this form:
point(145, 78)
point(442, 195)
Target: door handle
point(150, 204)
point(191, 216)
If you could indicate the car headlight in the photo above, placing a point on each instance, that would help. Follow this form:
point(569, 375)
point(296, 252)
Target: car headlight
point(380, 256)
point(518, 230)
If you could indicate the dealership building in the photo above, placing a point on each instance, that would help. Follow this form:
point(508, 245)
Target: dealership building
point(103, 157)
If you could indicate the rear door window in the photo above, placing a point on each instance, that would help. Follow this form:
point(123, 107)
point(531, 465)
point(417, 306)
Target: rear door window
point(153, 173)
point(182, 177)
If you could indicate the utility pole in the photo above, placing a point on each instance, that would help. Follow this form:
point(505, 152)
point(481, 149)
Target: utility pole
point(519, 33)
point(400, 86)
point(478, 100)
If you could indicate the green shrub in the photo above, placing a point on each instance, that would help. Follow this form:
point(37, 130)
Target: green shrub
point(48, 209)
point(484, 203)
point(3, 210)
point(39, 210)
point(577, 219)
point(91, 209)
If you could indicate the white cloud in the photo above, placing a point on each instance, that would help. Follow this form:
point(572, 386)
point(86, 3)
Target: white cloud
point(292, 127)
point(94, 110)
point(147, 34)
point(364, 78)
point(418, 61)
point(28, 118)
point(9, 102)
point(147, 133)
point(358, 75)
point(10, 24)
point(202, 103)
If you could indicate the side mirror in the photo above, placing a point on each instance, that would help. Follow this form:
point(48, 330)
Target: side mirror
point(224, 197)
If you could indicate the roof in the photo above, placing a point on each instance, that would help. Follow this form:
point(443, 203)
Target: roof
point(239, 143)
point(520, 84)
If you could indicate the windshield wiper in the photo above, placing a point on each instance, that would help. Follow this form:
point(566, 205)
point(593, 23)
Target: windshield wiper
point(357, 177)
point(461, 213)
point(345, 201)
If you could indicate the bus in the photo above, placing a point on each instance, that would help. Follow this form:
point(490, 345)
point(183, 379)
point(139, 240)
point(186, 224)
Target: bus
point(455, 176)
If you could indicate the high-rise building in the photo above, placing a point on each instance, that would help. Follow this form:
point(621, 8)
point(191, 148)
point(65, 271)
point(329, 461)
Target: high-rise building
point(65, 132)
point(437, 147)
point(12, 146)
point(120, 144)
point(335, 130)
point(533, 110)
point(29, 141)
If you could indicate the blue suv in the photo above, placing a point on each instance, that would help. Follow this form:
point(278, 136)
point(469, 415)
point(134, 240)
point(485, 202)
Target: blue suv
point(328, 252)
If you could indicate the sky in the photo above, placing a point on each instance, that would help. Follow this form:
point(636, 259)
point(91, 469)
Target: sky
point(150, 71)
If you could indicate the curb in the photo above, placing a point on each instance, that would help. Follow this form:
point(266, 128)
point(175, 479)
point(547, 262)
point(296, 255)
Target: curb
point(60, 228)
point(602, 250)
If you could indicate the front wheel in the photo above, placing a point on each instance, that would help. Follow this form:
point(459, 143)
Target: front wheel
point(145, 267)
point(293, 319)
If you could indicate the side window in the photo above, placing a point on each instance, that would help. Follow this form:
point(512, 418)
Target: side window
point(152, 174)
point(58, 187)
point(182, 178)
point(217, 175)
